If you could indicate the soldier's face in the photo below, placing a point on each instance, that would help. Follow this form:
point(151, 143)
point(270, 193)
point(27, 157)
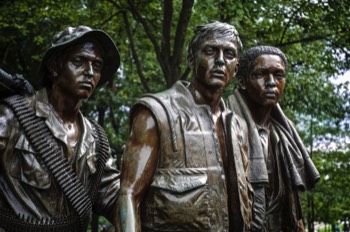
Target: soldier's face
point(266, 81)
point(80, 72)
point(215, 62)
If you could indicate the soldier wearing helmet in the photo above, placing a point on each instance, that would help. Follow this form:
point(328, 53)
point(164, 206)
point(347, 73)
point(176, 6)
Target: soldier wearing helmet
point(56, 165)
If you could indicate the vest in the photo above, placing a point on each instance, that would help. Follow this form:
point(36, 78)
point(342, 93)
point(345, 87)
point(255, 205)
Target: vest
point(188, 191)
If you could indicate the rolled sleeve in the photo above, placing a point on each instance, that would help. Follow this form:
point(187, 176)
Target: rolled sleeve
point(108, 191)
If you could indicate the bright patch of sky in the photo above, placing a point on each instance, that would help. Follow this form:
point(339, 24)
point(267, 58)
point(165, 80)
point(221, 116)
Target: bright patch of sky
point(341, 79)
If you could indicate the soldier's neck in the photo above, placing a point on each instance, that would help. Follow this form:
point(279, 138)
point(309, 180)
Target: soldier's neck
point(260, 114)
point(64, 107)
point(210, 97)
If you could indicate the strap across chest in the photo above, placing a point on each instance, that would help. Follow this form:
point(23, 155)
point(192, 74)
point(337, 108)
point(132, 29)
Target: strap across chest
point(44, 142)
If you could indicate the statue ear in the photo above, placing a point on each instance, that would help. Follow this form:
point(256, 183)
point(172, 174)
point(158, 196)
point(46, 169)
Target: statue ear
point(53, 73)
point(236, 69)
point(241, 83)
point(190, 61)
point(52, 69)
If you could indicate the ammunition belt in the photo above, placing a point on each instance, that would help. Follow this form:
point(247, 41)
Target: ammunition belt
point(102, 147)
point(13, 223)
point(44, 142)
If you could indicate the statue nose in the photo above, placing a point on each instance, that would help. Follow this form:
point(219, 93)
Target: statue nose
point(270, 81)
point(89, 70)
point(220, 59)
point(219, 62)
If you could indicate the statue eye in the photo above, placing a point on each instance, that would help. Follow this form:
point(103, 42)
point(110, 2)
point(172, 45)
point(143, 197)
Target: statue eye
point(209, 51)
point(97, 66)
point(78, 60)
point(258, 74)
point(229, 54)
point(279, 75)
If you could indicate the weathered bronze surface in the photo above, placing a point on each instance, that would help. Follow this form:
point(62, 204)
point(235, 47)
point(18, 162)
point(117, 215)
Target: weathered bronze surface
point(279, 165)
point(184, 163)
point(31, 195)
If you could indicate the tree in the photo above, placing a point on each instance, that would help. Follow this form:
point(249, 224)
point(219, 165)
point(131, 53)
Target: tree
point(331, 193)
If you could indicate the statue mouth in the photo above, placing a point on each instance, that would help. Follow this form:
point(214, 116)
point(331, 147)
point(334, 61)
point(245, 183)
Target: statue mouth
point(270, 94)
point(218, 73)
point(86, 85)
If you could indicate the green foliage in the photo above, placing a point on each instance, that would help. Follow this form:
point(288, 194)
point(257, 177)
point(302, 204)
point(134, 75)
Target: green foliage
point(331, 195)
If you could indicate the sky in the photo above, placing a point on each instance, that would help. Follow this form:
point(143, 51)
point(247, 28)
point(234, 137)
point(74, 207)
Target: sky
point(342, 79)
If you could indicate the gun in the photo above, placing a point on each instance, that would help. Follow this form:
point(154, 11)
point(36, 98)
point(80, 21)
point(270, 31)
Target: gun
point(14, 84)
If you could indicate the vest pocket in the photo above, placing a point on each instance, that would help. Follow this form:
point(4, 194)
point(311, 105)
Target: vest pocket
point(181, 200)
point(25, 167)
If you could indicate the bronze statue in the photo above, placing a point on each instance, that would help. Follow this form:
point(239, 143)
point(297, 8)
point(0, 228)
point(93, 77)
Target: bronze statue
point(184, 163)
point(279, 164)
point(56, 165)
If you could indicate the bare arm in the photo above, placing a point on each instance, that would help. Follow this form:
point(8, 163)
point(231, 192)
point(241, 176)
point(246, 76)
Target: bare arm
point(139, 163)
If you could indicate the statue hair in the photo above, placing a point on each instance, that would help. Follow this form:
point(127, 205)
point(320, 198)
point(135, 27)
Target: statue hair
point(202, 32)
point(249, 56)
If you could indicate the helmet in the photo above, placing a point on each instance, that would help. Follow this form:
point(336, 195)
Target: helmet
point(72, 35)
